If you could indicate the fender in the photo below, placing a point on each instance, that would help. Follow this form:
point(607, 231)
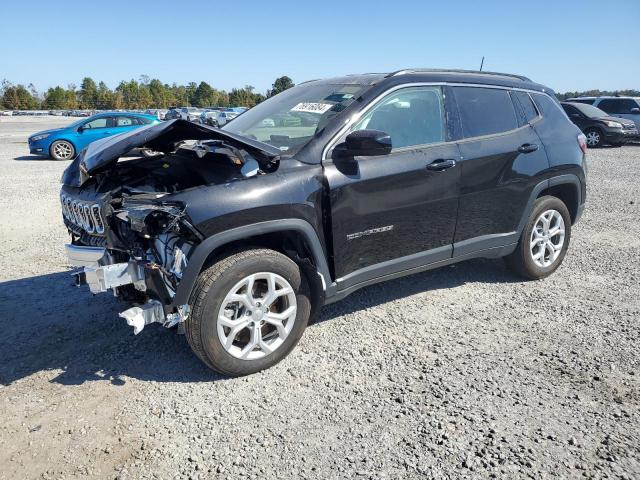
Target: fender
point(204, 249)
point(568, 178)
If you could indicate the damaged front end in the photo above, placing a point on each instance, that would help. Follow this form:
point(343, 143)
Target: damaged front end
point(151, 244)
point(130, 231)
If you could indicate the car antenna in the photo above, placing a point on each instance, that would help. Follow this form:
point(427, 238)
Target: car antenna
point(481, 63)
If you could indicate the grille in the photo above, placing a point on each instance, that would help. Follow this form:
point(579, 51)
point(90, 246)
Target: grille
point(629, 126)
point(85, 215)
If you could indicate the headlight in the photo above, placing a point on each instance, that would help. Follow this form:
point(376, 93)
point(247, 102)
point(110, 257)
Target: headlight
point(39, 137)
point(612, 124)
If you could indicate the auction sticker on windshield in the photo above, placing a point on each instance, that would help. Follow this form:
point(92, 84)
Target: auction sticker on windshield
point(312, 107)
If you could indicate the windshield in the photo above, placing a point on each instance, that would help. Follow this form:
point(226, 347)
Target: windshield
point(290, 119)
point(590, 111)
point(79, 122)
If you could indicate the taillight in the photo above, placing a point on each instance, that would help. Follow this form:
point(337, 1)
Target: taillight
point(582, 141)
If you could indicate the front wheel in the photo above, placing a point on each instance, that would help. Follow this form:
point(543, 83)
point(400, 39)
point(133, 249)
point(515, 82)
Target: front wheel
point(594, 138)
point(248, 312)
point(62, 150)
point(544, 241)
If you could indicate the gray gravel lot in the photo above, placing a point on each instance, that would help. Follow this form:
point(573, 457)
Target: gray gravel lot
point(461, 372)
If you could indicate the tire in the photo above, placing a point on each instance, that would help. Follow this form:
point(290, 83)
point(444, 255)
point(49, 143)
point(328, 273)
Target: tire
point(62, 150)
point(522, 261)
point(206, 332)
point(595, 138)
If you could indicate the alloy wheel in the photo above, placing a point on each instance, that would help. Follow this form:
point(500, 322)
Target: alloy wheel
point(593, 138)
point(256, 316)
point(63, 150)
point(547, 238)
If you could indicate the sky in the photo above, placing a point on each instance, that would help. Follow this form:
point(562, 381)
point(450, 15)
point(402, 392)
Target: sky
point(567, 45)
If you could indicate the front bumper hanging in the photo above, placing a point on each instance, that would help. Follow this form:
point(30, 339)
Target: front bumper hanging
point(101, 274)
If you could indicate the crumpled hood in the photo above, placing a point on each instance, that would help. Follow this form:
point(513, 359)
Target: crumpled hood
point(161, 137)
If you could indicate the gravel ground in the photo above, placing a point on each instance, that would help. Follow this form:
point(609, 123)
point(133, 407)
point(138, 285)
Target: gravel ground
point(461, 372)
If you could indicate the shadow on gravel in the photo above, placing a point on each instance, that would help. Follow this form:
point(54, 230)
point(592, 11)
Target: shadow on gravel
point(48, 324)
point(33, 157)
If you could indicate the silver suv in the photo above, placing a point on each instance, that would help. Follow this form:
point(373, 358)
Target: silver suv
point(623, 107)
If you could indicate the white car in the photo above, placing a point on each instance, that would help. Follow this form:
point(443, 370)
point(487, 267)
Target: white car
point(185, 113)
point(217, 118)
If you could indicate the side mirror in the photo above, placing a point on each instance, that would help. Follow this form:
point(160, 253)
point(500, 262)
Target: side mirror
point(635, 111)
point(81, 128)
point(364, 143)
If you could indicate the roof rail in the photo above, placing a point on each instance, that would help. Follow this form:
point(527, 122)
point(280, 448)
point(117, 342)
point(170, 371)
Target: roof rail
point(309, 81)
point(444, 70)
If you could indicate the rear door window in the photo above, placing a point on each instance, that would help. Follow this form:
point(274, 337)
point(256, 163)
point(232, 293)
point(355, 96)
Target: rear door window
point(124, 121)
point(485, 111)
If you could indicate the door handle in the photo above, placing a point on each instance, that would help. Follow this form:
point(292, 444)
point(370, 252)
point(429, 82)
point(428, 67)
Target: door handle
point(442, 164)
point(107, 133)
point(528, 148)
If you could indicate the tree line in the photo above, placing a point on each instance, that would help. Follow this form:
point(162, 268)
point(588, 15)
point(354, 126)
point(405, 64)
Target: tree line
point(152, 93)
point(598, 93)
point(133, 94)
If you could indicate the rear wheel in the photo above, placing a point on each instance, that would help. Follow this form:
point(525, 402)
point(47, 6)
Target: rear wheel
point(249, 310)
point(594, 138)
point(62, 150)
point(544, 241)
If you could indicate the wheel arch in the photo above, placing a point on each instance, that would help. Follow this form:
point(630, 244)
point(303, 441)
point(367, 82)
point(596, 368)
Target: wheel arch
point(566, 187)
point(293, 237)
point(568, 192)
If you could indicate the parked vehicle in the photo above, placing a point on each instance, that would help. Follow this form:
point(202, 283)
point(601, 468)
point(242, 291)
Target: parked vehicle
point(64, 143)
point(598, 127)
point(623, 107)
point(239, 238)
point(185, 113)
point(217, 118)
point(158, 113)
point(238, 110)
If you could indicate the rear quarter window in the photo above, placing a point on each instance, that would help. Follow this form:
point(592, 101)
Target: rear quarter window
point(485, 111)
point(549, 108)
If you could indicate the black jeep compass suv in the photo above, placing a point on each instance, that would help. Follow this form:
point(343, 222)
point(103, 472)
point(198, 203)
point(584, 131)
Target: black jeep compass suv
point(237, 235)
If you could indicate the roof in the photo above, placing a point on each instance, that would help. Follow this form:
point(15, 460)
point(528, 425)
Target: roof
point(137, 114)
point(470, 72)
point(602, 96)
point(435, 75)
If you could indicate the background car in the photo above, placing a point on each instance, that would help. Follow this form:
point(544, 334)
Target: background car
point(65, 143)
point(623, 107)
point(598, 127)
point(217, 118)
point(185, 113)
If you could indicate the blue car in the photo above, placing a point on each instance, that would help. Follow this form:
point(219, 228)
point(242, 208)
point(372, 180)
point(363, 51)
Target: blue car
point(65, 143)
